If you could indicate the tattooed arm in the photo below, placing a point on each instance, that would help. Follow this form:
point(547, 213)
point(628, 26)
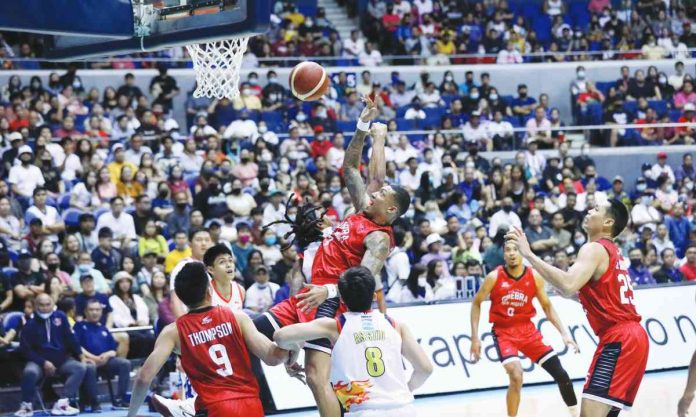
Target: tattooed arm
point(377, 168)
point(353, 157)
point(377, 244)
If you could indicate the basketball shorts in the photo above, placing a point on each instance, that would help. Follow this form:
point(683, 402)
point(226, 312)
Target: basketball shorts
point(404, 411)
point(525, 338)
point(243, 407)
point(618, 366)
point(287, 313)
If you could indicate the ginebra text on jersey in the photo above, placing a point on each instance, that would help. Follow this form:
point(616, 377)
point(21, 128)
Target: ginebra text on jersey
point(208, 335)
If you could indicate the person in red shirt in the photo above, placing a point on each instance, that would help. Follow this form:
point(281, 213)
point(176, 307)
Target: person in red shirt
point(600, 276)
point(214, 343)
point(320, 146)
point(689, 267)
point(364, 238)
point(390, 20)
point(687, 134)
point(512, 288)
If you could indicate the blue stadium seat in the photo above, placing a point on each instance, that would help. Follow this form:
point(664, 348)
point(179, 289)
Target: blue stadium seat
point(64, 201)
point(71, 217)
point(9, 271)
point(191, 181)
point(660, 107)
point(605, 86)
point(28, 217)
point(434, 111)
point(542, 26)
point(345, 125)
point(273, 119)
point(577, 10)
point(403, 124)
point(13, 255)
point(401, 111)
point(430, 122)
point(674, 115)
point(171, 244)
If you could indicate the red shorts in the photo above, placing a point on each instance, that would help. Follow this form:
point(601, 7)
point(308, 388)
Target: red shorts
point(618, 366)
point(287, 313)
point(243, 407)
point(523, 338)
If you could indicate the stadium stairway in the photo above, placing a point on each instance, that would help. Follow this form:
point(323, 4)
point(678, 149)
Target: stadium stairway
point(338, 17)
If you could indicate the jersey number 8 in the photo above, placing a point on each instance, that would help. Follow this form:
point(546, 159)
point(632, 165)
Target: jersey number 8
point(218, 354)
point(375, 364)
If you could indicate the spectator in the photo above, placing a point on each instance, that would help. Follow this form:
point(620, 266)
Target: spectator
point(505, 216)
point(151, 241)
point(661, 241)
point(99, 349)
point(370, 57)
point(179, 219)
point(129, 89)
point(88, 293)
point(523, 105)
point(116, 167)
point(661, 168)
point(120, 222)
point(540, 237)
point(87, 235)
point(535, 162)
point(639, 87)
point(676, 80)
point(415, 112)
point(260, 296)
point(679, 228)
point(638, 272)
point(509, 55)
point(50, 219)
point(501, 132)
point(136, 150)
point(688, 268)
point(51, 349)
point(180, 252)
point(354, 46)
point(107, 260)
point(668, 271)
point(85, 266)
point(26, 283)
point(25, 177)
point(652, 50)
point(435, 250)
point(164, 88)
point(128, 309)
point(414, 288)
point(476, 133)
point(686, 170)
point(685, 95)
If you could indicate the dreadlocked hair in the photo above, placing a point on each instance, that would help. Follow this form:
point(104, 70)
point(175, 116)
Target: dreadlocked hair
point(305, 228)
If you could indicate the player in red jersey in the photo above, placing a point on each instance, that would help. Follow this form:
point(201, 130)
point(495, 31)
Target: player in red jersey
point(363, 238)
point(512, 288)
point(599, 275)
point(214, 343)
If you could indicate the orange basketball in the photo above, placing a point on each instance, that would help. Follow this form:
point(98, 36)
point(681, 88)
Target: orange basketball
point(309, 81)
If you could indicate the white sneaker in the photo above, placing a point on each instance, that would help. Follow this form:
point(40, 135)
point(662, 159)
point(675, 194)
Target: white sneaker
point(25, 410)
point(174, 408)
point(62, 408)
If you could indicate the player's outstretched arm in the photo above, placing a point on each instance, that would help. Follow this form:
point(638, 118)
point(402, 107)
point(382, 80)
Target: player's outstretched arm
point(480, 297)
point(688, 397)
point(413, 352)
point(290, 336)
point(353, 156)
point(260, 346)
point(164, 346)
point(377, 167)
point(552, 314)
point(590, 256)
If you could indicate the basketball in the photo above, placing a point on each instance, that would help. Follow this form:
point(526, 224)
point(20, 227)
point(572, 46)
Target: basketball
point(309, 81)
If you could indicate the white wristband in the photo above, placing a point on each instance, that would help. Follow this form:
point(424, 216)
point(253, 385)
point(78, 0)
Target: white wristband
point(364, 126)
point(333, 290)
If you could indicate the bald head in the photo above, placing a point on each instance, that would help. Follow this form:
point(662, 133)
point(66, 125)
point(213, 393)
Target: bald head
point(44, 304)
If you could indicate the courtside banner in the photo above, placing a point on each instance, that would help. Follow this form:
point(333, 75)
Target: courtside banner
point(443, 330)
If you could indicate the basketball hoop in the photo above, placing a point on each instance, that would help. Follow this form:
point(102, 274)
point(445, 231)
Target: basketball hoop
point(217, 67)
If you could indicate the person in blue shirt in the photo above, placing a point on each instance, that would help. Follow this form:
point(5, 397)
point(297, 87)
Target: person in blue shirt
point(523, 105)
point(99, 348)
point(602, 183)
point(668, 272)
point(639, 273)
point(106, 259)
point(679, 228)
point(50, 348)
point(89, 292)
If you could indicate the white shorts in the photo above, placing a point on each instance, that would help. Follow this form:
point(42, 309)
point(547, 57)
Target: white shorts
point(405, 411)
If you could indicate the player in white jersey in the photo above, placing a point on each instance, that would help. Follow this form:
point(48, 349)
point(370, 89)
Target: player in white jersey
point(367, 371)
point(225, 291)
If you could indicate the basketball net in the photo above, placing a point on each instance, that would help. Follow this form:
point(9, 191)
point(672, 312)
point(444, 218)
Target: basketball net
point(217, 66)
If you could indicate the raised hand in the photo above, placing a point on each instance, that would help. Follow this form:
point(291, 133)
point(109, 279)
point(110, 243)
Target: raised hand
point(370, 112)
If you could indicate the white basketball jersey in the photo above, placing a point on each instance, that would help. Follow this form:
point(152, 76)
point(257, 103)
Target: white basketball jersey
point(236, 300)
point(367, 370)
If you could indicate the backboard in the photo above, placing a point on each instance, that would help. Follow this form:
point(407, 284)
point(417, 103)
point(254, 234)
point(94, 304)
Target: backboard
point(116, 27)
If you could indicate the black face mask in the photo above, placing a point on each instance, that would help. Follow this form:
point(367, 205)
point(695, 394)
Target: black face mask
point(163, 194)
point(181, 206)
point(236, 191)
point(245, 160)
point(213, 187)
point(636, 263)
point(326, 203)
point(507, 209)
point(52, 267)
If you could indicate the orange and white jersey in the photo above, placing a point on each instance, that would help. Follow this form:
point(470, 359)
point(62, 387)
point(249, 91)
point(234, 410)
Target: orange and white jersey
point(236, 300)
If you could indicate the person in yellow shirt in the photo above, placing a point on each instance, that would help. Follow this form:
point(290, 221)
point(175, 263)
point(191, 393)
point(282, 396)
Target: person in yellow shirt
point(294, 16)
point(246, 99)
point(445, 46)
point(180, 252)
point(152, 242)
point(126, 187)
point(118, 163)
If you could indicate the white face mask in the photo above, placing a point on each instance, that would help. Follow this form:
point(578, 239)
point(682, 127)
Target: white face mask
point(44, 316)
point(422, 282)
point(263, 129)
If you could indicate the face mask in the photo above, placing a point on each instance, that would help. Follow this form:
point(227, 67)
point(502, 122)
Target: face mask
point(263, 129)
point(273, 80)
point(422, 282)
point(493, 97)
point(448, 78)
point(244, 161)
point(53, 267)
point(225, 169)
point(181, 206)
point(284, 167)
point(662, 80)
point(474, 96)
point(645, 201)
point(84, 268)
point(246, 92)
point(253, 81)
point(581, 75)
point(301, 117)
point(523, 95)
point(244, 239)
point(335, 188)
point(236, 191)
point(271, 240)
point(291, 217)
point(636, 263)
point(579, 241)
point(213, 187)
point(689, 186)
point(326, 203)
point(322, 114)
point(641, 187)
point(44, 316)
point(163, 194)
point(507, 209)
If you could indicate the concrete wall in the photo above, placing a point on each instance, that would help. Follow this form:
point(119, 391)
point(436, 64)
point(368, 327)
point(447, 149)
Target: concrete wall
point(553, 79)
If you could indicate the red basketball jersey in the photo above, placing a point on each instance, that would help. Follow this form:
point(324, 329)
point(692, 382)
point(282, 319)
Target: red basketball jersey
point(511, 298)
point(609, 300)
point(344, 248)
point(215, 357)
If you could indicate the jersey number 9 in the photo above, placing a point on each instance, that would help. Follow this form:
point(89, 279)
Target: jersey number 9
point(218, 354)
